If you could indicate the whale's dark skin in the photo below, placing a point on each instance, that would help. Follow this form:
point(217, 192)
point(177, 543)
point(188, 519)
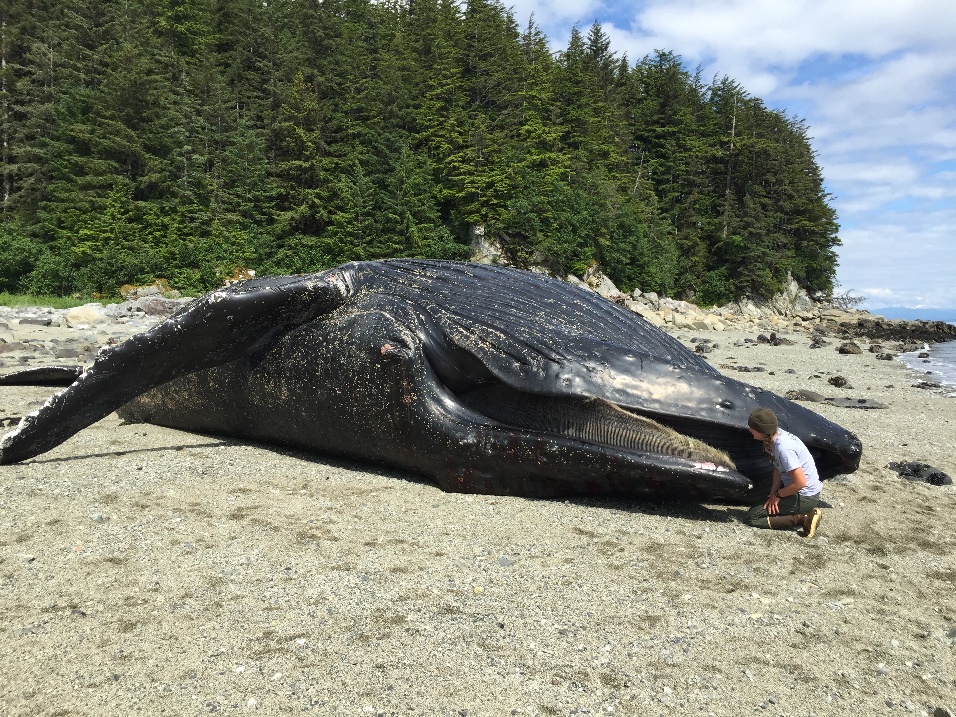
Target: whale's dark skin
point(418, 364)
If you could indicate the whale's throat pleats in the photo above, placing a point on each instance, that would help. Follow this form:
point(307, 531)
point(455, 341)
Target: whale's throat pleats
point(590, 420)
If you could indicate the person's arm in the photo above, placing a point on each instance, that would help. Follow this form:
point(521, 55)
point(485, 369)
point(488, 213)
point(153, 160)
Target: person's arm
point(799, 481)
point(772, 504)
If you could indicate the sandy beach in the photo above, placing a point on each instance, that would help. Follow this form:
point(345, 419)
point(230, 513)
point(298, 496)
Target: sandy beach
point(148, 571)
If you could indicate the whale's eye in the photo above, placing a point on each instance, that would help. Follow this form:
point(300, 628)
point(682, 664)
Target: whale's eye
point(726, 404)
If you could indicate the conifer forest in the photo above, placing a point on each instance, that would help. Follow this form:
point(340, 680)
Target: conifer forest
point(187, 138)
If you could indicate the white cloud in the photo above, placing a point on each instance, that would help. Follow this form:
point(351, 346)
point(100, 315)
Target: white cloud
point(879, 293)
point(786, 32)
point(551, 14)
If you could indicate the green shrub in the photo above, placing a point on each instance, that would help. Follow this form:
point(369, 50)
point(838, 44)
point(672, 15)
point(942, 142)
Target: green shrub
point(18, 256)
point(51, 275)
point(716, 289)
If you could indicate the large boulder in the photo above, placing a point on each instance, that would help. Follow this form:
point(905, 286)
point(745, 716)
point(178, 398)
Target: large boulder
point(792, 301)
point(486, 249)
point(160, 287)
point(85, 316)
point(599, 282)
point(748, 308)
point(157, 306)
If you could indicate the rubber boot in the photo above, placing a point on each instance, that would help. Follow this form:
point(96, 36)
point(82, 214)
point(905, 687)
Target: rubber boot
point(808, 521)
point(811, 522)
point(778, 522)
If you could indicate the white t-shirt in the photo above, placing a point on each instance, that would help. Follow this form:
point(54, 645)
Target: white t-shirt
point(789, 453)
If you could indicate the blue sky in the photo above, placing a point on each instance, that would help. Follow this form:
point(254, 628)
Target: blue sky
point(876, 83)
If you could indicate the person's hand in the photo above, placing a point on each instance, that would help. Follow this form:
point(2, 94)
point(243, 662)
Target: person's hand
point(772, 505)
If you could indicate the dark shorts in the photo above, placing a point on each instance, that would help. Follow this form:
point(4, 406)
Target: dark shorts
point(789, 505)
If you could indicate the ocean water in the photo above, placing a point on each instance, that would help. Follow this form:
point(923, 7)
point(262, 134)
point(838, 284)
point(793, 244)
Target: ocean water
point(940, 366)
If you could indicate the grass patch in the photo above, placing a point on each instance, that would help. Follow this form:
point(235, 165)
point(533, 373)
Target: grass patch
point(54, 302)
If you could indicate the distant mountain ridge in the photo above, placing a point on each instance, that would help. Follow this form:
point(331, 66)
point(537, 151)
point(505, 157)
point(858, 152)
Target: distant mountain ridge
point(905, 312)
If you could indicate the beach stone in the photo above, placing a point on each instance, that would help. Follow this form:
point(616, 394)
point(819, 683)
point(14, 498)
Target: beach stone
point(159, 306)
point(65, 353)
point(123, 309)
point(850, 348)
point(838, 381)
point(682, 322)
point(865, 403)
point(35, 321)
point(86, 315)
point(885, 357)
point(804, 394)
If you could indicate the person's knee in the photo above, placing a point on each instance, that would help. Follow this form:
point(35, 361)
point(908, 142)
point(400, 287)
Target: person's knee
point(757, 517)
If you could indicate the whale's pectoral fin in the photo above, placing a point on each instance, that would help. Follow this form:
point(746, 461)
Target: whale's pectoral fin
point(219, 327)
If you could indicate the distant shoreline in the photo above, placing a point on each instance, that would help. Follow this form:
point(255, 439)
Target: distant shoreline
point(908, 314)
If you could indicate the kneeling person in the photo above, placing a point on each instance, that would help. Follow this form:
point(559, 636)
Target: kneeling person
point(795, 491)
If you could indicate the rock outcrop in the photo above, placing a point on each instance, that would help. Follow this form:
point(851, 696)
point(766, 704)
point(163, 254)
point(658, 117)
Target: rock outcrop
point(908, 332)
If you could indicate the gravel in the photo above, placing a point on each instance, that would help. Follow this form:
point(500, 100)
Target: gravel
point(149, 571)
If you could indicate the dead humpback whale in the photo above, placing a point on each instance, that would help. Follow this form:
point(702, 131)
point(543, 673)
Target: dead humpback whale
point(483, 378)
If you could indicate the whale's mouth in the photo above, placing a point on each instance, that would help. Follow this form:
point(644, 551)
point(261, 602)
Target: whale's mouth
point(596, 422)
point(592, 421)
